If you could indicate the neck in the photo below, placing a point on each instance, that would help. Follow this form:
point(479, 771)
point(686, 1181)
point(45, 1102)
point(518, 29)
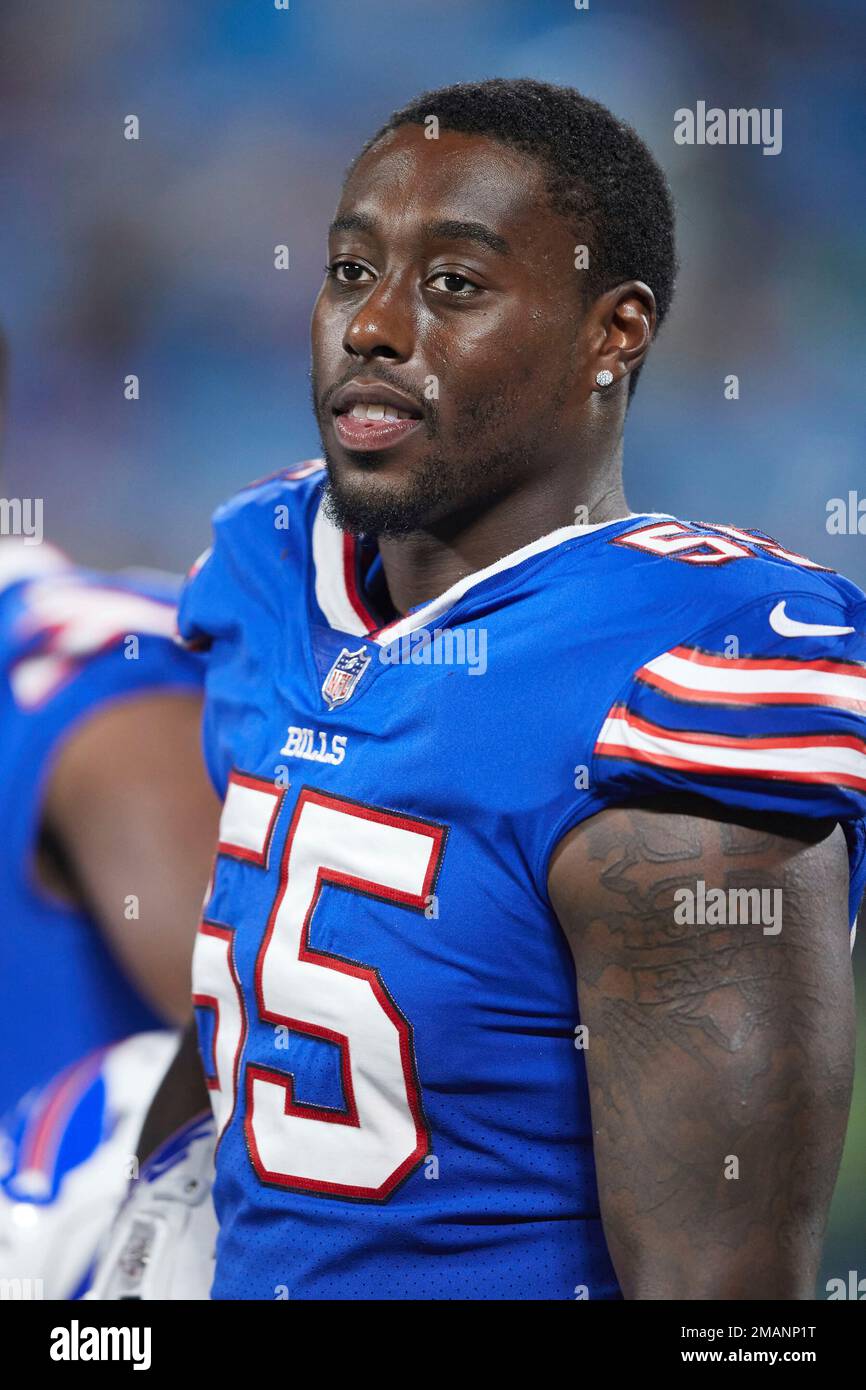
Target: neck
point(422, 566)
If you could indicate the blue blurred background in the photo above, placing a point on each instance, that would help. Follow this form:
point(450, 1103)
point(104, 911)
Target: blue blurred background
point(156, 257)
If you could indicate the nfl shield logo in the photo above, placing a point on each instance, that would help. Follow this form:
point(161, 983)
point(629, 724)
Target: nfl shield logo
point(344, 675)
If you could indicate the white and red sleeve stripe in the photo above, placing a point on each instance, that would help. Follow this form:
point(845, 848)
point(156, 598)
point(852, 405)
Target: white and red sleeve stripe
point(835, 758)
point(797, 718)
point(688, 673)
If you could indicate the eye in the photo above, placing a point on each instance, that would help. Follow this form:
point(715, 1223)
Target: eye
point(347, 272)
point(454, 284)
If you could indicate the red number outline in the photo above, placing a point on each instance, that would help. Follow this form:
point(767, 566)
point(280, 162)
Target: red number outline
point(210, 1001)
point(326, 960)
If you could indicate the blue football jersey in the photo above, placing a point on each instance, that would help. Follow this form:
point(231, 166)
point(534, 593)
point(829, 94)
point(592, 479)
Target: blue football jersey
point(70, 641)
point(386, 1002)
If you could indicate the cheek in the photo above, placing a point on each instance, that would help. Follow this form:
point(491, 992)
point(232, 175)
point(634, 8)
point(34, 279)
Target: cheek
point(496, 342)
point(502, 366)
point(327, 329)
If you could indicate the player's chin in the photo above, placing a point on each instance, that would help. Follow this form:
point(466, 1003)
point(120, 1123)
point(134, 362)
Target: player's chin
point(376, 501)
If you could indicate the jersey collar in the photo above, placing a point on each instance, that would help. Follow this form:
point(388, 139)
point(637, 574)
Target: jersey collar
point(341, 600)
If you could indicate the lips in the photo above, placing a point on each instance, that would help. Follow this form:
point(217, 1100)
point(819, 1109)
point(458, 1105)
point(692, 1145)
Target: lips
point(371, 415)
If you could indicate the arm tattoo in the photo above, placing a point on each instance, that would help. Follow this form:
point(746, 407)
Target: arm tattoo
point(714, 1049)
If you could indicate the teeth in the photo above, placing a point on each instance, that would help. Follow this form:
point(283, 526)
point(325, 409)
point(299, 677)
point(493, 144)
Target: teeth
point(376, 411)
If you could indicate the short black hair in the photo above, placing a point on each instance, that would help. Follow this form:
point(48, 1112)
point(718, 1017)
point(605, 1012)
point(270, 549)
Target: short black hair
point(601, 175)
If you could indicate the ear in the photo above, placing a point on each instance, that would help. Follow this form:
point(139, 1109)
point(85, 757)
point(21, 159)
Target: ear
point(624, 323)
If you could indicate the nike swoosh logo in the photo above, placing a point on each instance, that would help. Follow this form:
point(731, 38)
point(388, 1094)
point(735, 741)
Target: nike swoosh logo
point(790, 627)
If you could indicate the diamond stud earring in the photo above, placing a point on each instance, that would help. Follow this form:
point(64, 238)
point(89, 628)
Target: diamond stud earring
point(604, 378)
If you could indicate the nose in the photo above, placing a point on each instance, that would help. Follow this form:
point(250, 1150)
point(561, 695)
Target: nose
point(383, 325)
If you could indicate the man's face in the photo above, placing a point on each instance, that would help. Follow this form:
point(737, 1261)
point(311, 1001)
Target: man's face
point(453, 284)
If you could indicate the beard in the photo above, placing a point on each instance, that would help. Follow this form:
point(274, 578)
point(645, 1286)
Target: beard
point(448, 485)
point(436, 492)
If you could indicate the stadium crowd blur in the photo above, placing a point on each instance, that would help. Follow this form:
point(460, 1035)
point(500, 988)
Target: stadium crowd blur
point(155, 257)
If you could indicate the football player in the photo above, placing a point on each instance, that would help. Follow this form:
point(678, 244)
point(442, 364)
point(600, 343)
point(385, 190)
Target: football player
point(107, 835)
point(525, 972)
point(106, 813)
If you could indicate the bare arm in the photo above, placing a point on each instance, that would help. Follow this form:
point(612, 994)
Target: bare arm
point(135, 818)
point(720, 1057)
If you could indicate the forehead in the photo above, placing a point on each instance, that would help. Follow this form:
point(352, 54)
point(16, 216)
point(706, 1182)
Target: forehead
point(406, 181)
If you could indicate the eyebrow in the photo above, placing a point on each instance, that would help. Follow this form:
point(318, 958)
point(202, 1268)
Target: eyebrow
point(449, 230)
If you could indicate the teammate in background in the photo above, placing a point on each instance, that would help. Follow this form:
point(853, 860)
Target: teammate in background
point(162, 1242)
point(66, 1160)
point(108, 820)
point(464, 1034)
point(108, 825)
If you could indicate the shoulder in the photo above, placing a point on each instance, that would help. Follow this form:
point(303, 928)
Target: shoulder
point(694, 574)
point(651, 588)
point(734, 610)
point(292, 488)
point(726, 566)
point(714, 662)
point(58, 619)
point(750, 686)
point(261, 527)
